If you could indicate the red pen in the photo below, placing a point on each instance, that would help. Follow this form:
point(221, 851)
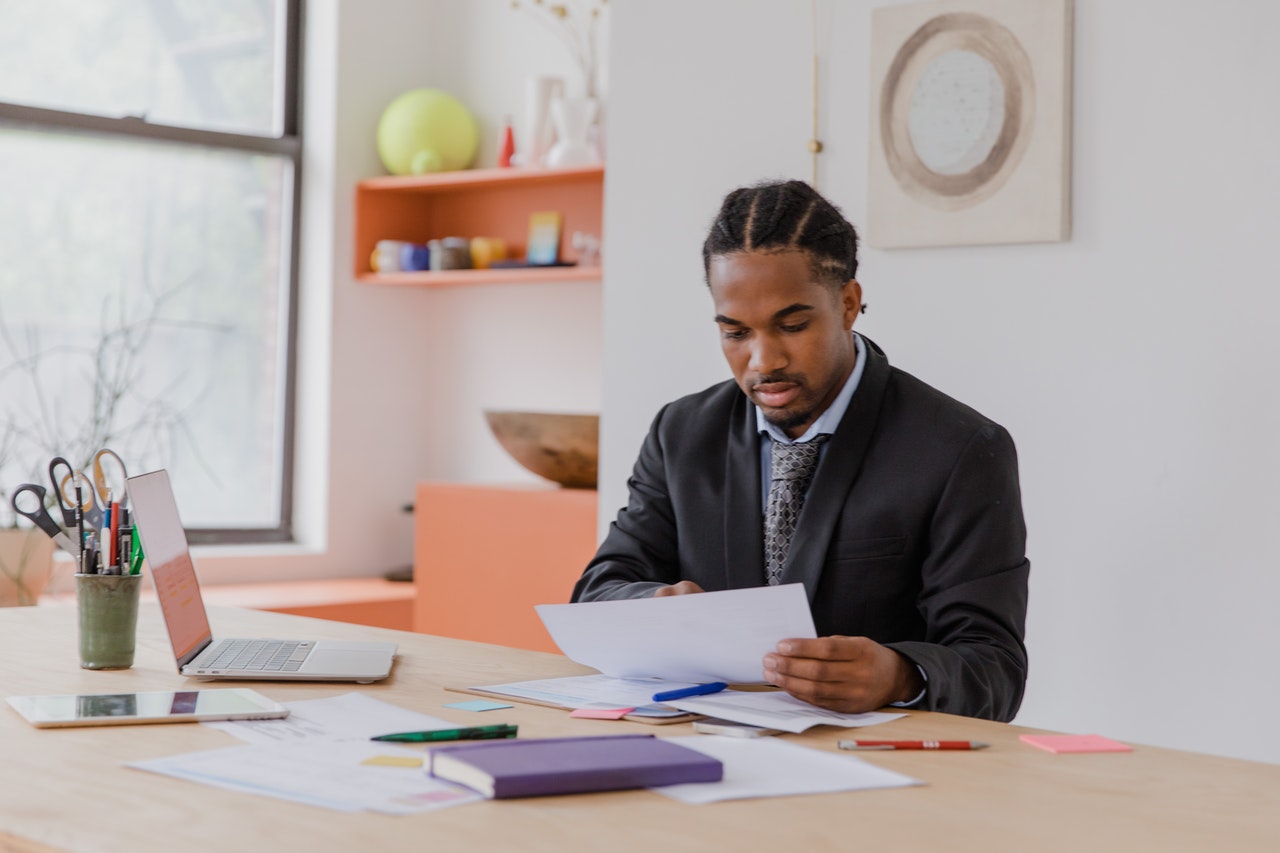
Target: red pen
point(911, 744)
point(113, 534)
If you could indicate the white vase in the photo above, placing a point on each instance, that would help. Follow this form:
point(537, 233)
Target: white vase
point(26, 561)
point(573, 118)
point(540, 92)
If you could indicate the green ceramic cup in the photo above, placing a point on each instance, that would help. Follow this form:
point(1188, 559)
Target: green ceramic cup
point(108, 606)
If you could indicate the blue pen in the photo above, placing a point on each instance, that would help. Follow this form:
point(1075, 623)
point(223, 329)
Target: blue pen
point(684, 692)
point(106, 538)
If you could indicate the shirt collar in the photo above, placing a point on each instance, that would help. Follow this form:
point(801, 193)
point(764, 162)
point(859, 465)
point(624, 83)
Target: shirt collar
point(830, 419)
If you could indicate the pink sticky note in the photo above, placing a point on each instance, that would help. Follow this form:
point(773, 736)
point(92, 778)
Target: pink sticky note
point(1076, 743)
point(601, 713)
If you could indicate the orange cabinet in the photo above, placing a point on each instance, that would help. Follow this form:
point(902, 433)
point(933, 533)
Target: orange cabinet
point(477, 203)
point(485, 555)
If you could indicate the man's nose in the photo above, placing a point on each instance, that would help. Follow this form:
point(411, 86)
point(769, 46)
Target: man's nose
point(767, 356)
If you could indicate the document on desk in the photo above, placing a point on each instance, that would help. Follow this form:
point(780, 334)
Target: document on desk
point(712, 636)
point(775, 710)
point(767, 767)
point(771, 709)
point(592, 691)
point(343, 776)
point(347, 717)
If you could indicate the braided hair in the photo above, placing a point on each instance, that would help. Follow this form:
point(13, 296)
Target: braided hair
point(785, 216)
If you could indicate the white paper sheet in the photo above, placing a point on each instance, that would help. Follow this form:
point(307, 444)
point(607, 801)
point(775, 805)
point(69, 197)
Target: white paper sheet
point(712, 636)
point(767, 767)
point(591, 691)
point(775, 710)
point(325, 774)
point(348, 717)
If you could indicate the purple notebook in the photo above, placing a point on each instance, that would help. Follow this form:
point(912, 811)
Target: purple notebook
point(572, 765)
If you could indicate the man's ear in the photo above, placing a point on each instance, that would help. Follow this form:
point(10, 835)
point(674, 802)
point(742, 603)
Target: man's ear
point(851, 301)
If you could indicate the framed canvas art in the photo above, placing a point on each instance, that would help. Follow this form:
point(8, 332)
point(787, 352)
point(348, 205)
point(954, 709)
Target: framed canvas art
point(970, 123)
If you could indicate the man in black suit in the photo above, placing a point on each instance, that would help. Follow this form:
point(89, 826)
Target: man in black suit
point(908, 536)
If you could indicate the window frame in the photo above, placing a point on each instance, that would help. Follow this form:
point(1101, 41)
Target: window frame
point(287, 145)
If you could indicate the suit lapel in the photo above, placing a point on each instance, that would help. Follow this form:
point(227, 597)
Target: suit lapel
point(835, 475)
point(743, 517)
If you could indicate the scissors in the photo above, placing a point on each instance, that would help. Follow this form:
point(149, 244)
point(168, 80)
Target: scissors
point(65, 502)
point(109, 487)
point(39, 515)
point(74, 487)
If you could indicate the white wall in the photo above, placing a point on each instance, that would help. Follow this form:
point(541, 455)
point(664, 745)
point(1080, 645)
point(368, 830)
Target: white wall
point(1134, 364)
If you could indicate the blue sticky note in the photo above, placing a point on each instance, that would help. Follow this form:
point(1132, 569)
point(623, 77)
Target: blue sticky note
point(478, 705)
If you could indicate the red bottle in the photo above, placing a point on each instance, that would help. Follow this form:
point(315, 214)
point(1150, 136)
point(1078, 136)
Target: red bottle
point(508, 147)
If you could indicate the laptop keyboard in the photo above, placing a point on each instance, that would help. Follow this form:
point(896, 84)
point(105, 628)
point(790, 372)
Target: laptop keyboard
point(257, 655)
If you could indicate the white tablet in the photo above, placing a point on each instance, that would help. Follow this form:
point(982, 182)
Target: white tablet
point(122, 709)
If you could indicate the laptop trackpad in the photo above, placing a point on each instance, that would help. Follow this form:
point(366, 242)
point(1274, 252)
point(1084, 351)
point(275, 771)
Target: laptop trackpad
point(351, 663)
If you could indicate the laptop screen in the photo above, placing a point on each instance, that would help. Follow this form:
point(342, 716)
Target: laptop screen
point(165, 544)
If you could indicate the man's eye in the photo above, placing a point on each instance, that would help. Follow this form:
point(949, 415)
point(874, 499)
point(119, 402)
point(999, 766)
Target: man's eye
point(733, 334)
point(798, 327)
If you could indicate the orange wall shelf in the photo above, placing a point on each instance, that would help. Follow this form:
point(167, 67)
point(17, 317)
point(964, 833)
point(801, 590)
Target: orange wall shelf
point(485, 555)
point(477, 203)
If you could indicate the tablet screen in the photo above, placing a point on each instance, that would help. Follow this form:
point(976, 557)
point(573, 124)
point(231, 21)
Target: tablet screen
point(96, 709)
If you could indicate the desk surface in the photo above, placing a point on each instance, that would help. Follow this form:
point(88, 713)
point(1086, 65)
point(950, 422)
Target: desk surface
point(65, 789)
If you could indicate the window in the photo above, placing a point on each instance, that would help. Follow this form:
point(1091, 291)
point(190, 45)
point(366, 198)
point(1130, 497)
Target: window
point(149, 155)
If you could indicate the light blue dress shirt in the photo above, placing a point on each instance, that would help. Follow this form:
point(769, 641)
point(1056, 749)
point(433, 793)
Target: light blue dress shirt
point(825, 424)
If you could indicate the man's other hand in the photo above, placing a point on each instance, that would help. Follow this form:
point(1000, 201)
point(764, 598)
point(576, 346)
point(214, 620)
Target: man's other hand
point(850, 675)
point(682, 588)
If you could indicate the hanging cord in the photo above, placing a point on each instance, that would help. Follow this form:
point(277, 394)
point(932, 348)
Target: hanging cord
point(815, 145)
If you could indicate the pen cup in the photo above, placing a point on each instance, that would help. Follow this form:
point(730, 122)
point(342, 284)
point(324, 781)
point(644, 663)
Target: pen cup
point(108, 608)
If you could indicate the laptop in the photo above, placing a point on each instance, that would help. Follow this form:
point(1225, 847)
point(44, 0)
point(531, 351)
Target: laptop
point(198, 654)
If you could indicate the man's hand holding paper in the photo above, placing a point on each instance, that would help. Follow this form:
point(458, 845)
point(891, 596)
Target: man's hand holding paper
point(851, 675)
point(847, 674)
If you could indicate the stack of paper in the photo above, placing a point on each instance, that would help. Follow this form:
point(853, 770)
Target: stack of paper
point(770, 709)
point(321, 755)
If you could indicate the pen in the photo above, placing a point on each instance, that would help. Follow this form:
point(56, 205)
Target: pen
point(113, 551)
point(124, 534)
point(912, 744)
point(135, 557)
point(468, 733)
point(106, 534)
point(90, 553)
point(80, 528)
point(699, 690)
point(122, 554)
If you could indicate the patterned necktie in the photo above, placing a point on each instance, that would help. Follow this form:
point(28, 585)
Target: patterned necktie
point(791, 470)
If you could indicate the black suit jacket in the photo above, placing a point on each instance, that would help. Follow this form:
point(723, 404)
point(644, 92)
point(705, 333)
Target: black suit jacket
point(911, 534)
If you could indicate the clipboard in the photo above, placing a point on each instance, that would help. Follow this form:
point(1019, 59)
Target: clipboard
point(524, 700)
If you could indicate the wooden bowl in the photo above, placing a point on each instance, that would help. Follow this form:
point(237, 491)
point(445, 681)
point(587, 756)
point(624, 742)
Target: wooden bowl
point(562, 448)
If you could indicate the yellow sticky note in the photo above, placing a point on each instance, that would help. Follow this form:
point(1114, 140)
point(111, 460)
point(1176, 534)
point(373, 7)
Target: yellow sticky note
point(393, 761)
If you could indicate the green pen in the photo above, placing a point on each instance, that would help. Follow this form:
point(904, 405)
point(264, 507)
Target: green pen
point(469, 733)
point(135, 558)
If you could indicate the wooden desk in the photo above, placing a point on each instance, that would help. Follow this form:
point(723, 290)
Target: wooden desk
point(65, 789)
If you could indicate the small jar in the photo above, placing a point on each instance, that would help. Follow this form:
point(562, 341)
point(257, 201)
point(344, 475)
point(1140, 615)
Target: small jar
point(414, 257)
point(386, 256)
point(451, 253)
point(486, 250)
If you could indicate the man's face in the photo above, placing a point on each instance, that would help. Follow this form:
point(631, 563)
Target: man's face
point(785, 334)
